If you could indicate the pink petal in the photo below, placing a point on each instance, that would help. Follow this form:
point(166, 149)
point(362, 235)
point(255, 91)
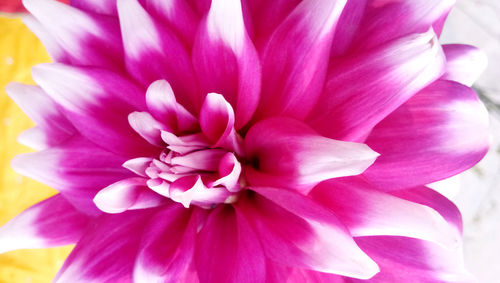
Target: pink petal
point(423, 141)
point(368, 212)
point(154, 52)
point(56, 52)
point(225, 59)
point(191, 190)
point(107, 251)
point(147, 127)
point(297, 232)
point(464, 63)
point(277, 273)
point(162, 104)
point(387, 20)
point(227, 249)
point(410, 260)
point(138, 165)
point(365, 88)
point(167, 246)
point(216, 119)
point(205, 160)
point(229, 172)
point(76, 168)
point(178, 14)
point(52, 126)
point(287, 153)
point(105, 7)
point(347, 26)
point(52, 222)
point(87, 39)
point(294, 65)
point(96, 101)
point(131, 193)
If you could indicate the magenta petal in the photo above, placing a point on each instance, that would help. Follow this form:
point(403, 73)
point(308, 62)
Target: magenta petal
point(87, 39)
point(96, 101)
point(52, 126)
point(131, 193)
point(293, 61)
point(369, 212)
point(153, 52)
point(167, 246)
point(287, 153)
point(228, 250)
point(191, 190)
point(277, 273)
point(423, 141)
point(216, 119)
point(296, 231)
point(76, 168)
point(363, 89)
point(52, 222)
point(403, 258)
point(347, 26)
point(147, 127)
point(55, 50)
point(225, 59)
point(162, 104)
point(464, 63)
point(107, 251)
point(105, 7)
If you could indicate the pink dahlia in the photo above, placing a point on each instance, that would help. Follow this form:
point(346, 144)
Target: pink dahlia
point(253, 141)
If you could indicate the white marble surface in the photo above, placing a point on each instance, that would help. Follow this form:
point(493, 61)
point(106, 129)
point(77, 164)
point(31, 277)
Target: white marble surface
point(477, 191)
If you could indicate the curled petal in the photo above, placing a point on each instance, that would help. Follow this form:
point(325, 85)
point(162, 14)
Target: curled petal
point(285, 152)
point(191, 190)
point(464, 63)
point(423, 141)
point(126, 194)
point(50, 223)
point(138, 165)
point(229, 172)
point(147, 127)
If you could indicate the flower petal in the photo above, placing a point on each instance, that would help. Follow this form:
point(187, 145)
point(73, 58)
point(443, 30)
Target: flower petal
point(154, 52)
point(402, 259)
point(297, 232)
point(294, 65)
point(52, 222)
point(147, 127)
point(56, 52)
point(87, 39)
point(362, 90)
point(167, 246)
point(191, 190)
point(131, 193)
point(226, 61)
point(76, 168)
point(162, 104)
point(107, 251)
point(368, 212)
point(464, 63)
point(217, 119)
point(423, 141)
point(96, 101)
point(53, 127)
point(287, 153)
point(227, 249)
point(105, 7)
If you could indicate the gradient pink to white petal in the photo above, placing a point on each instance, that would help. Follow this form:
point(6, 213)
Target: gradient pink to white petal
point(248, 140)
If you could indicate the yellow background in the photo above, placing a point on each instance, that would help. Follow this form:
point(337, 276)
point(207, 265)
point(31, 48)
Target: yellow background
point(19, 51)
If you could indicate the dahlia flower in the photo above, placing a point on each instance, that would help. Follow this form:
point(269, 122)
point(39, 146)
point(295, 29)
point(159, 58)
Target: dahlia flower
point(252, 141)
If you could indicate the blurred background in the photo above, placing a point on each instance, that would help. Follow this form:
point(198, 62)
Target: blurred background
point(476, 192)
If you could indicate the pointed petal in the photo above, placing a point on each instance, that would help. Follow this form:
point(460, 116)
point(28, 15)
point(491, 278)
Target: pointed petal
point(368, 212)
point(464, 63)
point(167, 246)
point(228, 249)
point(225, 59)
point(404, 259)
point(131, 193)
point(162, 104)
point(423, 141)
point(296, 231)
point(56, 52)
point(50, 223)
point(76, 168)
point(89, 40)
point(154, 52)
point(96, 101)
point(107, 251)
point(105, 7)
point(53, 127)
point(287, 153)
point(294, 65)
point(138, 165)
point(362, 90)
